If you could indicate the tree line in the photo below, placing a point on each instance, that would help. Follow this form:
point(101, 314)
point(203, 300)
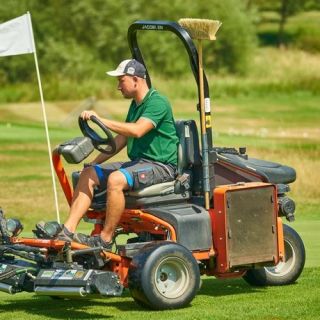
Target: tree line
point(77, 39)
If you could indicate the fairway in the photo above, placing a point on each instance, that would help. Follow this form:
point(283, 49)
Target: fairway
point(26, 193)
point(257, 85)
point(217, 299)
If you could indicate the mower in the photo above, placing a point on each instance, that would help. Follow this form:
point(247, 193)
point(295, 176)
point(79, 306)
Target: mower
point(173, 235)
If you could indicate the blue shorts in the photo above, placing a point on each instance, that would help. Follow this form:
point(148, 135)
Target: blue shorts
point(139, 173)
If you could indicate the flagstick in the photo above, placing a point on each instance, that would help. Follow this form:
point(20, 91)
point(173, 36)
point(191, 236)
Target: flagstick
point(45, 125)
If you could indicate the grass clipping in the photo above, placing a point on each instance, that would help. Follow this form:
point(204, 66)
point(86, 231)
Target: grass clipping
point(202, 29)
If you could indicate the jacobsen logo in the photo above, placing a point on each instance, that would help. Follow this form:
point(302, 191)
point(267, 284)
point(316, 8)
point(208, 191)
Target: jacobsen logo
point(152, 27)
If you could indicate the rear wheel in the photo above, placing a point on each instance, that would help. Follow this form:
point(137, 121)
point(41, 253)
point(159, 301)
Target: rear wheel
point(165, 276)
point(285, 272)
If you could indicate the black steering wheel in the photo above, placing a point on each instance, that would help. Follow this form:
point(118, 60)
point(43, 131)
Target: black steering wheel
point(98, 141)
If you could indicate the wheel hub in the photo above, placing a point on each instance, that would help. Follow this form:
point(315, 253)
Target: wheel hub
point(172, 277)
point(285, 266)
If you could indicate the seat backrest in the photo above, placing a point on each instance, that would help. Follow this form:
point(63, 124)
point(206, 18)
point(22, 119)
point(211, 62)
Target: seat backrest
point(188, 149)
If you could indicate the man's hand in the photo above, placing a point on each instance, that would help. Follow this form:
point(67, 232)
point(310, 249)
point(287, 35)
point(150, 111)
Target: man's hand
point(85, 115)
point(135, 129)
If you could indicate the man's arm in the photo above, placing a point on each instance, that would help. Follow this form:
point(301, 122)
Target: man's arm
point(121, 142)
point(135, 130)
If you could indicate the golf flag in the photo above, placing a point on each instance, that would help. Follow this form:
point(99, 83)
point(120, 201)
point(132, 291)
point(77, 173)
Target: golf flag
point(16, 36)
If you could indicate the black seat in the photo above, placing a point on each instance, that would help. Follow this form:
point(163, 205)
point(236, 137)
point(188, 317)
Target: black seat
point(168, 192)
point(179, 189)
point(272, 172)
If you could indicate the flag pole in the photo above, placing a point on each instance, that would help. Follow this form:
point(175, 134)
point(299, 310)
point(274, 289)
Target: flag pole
point(45, 121)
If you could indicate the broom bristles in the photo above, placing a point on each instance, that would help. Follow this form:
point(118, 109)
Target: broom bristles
point(202, 29)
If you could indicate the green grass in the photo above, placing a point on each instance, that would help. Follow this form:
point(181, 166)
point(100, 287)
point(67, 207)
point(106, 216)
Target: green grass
point(308, 229)
point(271, 71)
point(282, 128)
point(217, 299)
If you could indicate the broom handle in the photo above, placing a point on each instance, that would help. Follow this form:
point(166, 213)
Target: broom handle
point(202, 113)
point(203, 127)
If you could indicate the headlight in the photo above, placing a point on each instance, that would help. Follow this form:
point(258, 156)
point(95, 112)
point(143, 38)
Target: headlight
point(287, 207)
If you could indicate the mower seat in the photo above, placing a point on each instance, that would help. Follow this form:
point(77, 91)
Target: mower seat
point(272, 172)
point(168, 192)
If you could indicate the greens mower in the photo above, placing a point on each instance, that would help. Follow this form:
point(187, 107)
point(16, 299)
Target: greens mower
point(174, 236)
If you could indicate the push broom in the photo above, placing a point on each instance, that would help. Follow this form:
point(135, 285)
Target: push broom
point(202, 29)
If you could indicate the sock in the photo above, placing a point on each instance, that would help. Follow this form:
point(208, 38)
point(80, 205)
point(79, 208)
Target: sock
point(104, 243)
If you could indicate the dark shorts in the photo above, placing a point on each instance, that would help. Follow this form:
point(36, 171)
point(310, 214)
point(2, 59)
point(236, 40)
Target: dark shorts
point(139, 173)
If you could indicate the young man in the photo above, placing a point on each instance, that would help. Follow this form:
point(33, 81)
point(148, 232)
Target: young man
point(150, 136)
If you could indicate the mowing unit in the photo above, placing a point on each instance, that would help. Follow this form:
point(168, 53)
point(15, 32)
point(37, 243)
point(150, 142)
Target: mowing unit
point(221, 217)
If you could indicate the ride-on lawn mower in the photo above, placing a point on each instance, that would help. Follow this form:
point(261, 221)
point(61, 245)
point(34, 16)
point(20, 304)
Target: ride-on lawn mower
point(173, 238)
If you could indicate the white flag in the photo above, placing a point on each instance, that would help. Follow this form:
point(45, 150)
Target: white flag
point(16, 36)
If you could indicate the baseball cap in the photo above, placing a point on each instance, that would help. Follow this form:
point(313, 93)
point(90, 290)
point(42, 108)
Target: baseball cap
point(130, 67)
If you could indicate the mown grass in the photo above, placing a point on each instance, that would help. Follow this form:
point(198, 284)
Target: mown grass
point(26, 193)
point(280, 126)
point(217, 299)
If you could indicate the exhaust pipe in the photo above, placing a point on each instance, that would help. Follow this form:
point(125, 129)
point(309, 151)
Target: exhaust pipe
point(60, 291)
point(6, 288)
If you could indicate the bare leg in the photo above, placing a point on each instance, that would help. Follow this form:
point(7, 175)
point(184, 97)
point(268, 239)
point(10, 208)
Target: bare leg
point(117, 183)
point(82, 198)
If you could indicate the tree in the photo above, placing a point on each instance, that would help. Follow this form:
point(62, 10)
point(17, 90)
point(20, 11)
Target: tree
point(75, 39)
point(287, 8)
point(284, 8)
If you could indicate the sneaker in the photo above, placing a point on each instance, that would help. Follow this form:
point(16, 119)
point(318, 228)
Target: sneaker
point(65, 235)
point(80, 237)
point(48, 230)
point(93, 241)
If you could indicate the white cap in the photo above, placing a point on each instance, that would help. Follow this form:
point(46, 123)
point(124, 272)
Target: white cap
point(130, 67)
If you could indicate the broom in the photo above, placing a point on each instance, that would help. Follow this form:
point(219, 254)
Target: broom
point(202, 29)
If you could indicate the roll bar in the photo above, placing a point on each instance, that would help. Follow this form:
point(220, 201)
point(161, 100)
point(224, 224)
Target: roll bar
point(183, 35)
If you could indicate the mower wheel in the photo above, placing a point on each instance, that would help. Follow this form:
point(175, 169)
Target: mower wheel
point(285, 272)
point(164, 275)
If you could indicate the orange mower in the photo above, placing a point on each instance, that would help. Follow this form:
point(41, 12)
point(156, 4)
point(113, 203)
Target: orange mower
point(222, 216)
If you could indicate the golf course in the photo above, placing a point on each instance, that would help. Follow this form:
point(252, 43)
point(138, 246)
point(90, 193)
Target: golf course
point(272, 109)
point(281, 128)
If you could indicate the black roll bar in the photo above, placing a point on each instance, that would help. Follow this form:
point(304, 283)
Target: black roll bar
point(183, 35)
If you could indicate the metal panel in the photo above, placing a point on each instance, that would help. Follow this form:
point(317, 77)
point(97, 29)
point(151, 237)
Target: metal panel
point(251, 226)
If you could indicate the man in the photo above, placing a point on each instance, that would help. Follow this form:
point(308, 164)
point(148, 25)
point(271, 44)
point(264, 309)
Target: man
point(150, 136)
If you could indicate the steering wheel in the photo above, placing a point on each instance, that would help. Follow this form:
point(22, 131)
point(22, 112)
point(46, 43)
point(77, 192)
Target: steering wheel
point(97, 141)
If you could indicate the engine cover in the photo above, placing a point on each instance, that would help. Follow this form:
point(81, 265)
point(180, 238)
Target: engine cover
point(245, 228)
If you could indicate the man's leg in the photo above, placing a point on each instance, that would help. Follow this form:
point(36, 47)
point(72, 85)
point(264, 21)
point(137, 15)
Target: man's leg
point(82, 198)
point(117, 183)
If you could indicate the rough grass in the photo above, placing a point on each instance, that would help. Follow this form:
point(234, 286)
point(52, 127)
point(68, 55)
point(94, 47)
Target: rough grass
point(272, 71)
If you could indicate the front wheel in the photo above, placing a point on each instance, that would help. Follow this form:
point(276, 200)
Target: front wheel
point(285, 272)
point(164, 276)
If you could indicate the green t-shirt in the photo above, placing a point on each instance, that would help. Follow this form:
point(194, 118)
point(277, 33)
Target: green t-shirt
point(161, 142)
